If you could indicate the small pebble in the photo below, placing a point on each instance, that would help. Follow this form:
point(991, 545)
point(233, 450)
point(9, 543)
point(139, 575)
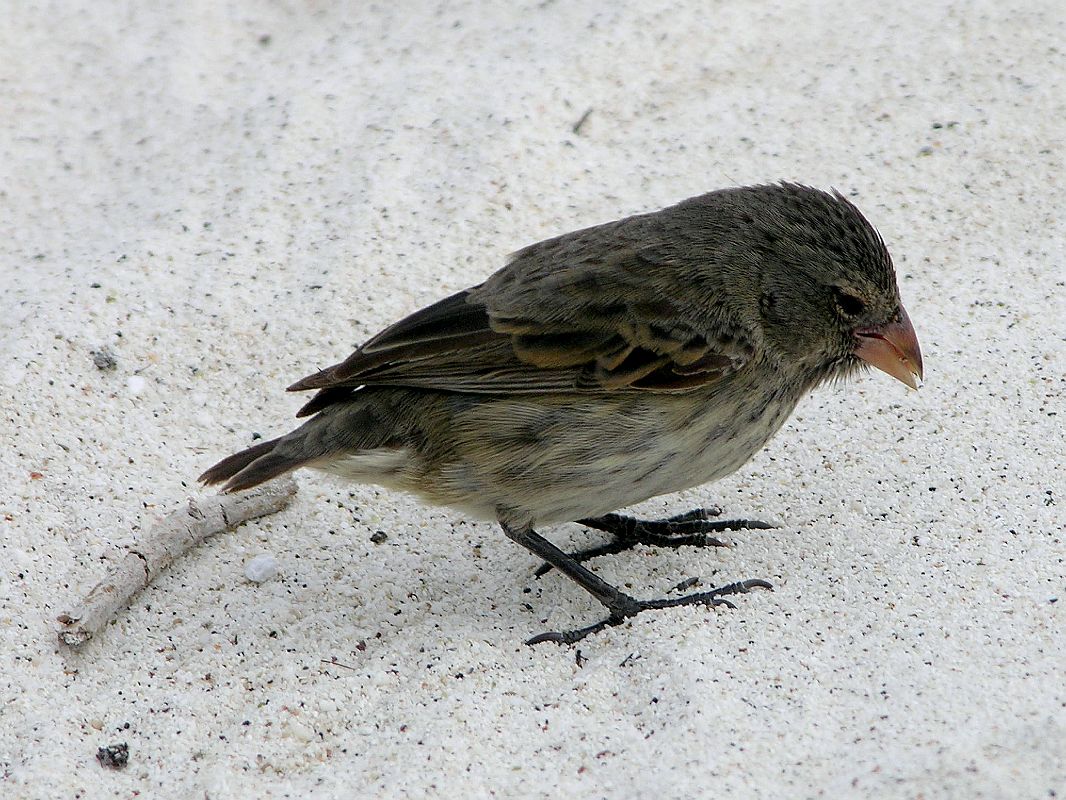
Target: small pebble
point(261, 568)
point(114, 756)
point(378, 537)
point(104, 358)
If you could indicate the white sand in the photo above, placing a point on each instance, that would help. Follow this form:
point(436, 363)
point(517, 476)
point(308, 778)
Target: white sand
point(228, 212)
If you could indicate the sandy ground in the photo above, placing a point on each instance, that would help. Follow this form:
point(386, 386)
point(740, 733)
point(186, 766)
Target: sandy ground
point(230, 195)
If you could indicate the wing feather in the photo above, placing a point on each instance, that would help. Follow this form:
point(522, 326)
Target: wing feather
point(580, 313)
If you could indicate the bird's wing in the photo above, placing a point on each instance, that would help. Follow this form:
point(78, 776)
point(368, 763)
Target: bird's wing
point(589, 311)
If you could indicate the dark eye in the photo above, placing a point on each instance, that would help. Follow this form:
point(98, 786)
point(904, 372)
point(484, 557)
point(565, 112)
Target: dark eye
point(849, 304)
point(767, 302)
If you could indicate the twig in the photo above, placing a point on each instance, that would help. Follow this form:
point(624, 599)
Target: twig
point(167, 540)
point(333, 662)
point(577, 126)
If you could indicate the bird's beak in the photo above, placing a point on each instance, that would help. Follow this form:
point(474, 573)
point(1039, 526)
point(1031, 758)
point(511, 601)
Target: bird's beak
point(892, 348)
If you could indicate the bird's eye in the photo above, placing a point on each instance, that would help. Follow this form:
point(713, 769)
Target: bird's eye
point(767, 302)
point(849, 304)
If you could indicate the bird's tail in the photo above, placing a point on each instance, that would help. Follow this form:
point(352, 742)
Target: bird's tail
point(250, 467)
point(336, 431)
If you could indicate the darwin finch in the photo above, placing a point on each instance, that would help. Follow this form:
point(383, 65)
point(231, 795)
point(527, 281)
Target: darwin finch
point(606, 366)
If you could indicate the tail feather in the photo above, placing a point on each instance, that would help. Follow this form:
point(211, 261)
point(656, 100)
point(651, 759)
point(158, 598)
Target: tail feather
point(250, 467)
point(341, 428)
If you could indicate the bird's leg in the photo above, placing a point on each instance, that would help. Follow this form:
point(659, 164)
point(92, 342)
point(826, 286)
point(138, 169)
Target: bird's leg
point(620, 606)
point(690, 529)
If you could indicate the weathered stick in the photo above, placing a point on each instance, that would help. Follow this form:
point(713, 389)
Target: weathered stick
point(168, 539)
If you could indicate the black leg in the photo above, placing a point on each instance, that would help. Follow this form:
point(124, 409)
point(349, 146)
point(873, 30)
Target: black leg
point(620, 606)
point(690, 529)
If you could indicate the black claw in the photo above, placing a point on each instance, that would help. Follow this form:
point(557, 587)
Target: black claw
point(688, 583)
point(619, 604)
point(630, 607)
point(576, 635)
point(566, 637)
point(540, 638)
point(696, 514)
point(689, 529)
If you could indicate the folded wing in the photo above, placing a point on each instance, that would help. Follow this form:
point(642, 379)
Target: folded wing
point(591, 311)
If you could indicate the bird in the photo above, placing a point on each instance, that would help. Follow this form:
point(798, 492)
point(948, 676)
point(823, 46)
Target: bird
point(607, 366)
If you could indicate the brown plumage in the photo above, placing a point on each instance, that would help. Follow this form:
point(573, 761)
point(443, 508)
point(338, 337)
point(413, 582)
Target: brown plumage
point(606, 366)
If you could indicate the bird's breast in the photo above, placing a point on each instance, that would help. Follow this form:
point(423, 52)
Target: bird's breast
point(556, 459)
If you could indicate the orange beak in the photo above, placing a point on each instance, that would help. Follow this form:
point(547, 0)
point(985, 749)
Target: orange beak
point(892, 348)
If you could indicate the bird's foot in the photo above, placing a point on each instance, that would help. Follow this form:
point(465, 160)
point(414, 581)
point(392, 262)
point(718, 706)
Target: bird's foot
point(623, 607)
point(690, 529)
